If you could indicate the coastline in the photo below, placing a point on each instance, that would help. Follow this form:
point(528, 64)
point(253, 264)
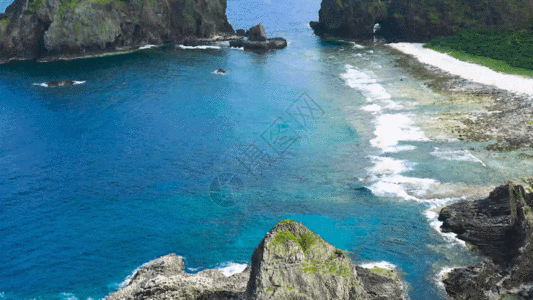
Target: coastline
point(500, 112)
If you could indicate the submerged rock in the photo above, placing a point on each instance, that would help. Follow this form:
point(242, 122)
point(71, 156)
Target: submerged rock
point(501, 228)
point(60, 83)
point(291, 262)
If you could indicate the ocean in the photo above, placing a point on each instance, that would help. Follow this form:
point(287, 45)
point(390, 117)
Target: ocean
point(154, 153)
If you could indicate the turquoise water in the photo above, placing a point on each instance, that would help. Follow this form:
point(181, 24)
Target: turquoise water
point(100, 177)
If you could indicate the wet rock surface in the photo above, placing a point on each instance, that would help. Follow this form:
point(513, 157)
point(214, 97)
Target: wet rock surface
point(291, 262)
point(506, 120)
point(258, 41)
point(501, 228)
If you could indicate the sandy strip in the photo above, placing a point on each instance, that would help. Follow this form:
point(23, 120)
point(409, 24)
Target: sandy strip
point(474, 72)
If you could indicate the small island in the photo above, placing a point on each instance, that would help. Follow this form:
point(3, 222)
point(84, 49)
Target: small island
point(291, 262)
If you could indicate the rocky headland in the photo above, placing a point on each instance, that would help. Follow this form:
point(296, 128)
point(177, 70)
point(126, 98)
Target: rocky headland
point(52, 29)
point(411, 20)
point(500, 227)
point(290, 263)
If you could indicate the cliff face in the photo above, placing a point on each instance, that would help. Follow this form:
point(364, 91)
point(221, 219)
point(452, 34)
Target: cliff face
point(31, 29)
point(501, 228)
point(416, 20)
point(291, 263)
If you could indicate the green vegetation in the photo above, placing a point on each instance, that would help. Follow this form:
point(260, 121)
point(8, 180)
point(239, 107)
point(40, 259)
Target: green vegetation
point(34, 6)
point(508, 52)
point(530, 122)
point(329, 267)
point(66, 6)
point(5, 21)
point(382, 272)
point(286, 221)
point(305, 239)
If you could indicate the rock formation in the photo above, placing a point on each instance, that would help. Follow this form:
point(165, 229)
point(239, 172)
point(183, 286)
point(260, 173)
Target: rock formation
point(258, 40)
point(501, 228)
point(37, 29)
point(291, 262)
point(414, 20)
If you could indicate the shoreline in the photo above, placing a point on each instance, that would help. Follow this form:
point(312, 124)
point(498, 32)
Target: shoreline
point(121, 50)
point(505, 119)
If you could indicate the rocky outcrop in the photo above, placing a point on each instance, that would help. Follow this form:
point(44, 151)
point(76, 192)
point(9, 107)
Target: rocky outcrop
point(258, 41)
point(290, 263)
point(35, 29)
point(413, 20)
point(164, 278)
point(501, 228)
point(257, 33)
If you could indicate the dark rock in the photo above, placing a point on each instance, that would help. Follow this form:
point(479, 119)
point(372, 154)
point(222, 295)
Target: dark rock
point(257, 33)
point(501, 228)
point(236, 43)
point(220, 71)
point(291, 262)
point(60, 83)
point(256, 46)
point(417, 20)
point(190, 41)
point(241, 32)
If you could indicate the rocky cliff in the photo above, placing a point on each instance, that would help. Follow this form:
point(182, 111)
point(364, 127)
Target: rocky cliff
point(290, 263)
point(418, 20)
point(501, 228)
point(35, 29)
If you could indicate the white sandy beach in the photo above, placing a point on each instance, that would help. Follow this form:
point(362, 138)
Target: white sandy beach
point(474, 72)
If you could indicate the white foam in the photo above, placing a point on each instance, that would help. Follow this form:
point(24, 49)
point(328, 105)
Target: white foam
point(458, 155)
point(230, 268)
point(393, 128)
point(372, 108)
point(387, 166)
point(474, 72)
point(381, 265)
point(364, 83)
point(2, 294)
point(387, 181)
point(193, 269)
point(219, 73)
point(357, 46)
point(403, 187)
point(45, 84)
point(147, 47)
point(436, 224)
point(199, 47)
point(68, 296)
point(441, 274)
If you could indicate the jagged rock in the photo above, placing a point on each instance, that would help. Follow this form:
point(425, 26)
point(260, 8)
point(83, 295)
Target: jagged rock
point(500, 227)
point(241, 32)
point(290, 263)
point(269, 44)
point(257, 33)
point(414, 20)
point(164, 278)
point(38, 29)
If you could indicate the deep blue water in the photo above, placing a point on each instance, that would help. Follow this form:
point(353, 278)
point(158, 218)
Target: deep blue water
point(98, 178)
